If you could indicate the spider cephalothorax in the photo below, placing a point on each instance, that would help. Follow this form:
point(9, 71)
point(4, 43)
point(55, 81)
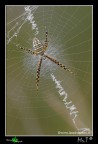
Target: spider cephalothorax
point(39, 49)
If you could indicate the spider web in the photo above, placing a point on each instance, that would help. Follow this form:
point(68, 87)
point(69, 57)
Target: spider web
point(70, 42)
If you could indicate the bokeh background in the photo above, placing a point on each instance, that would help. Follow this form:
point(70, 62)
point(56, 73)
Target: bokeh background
point(70, 41)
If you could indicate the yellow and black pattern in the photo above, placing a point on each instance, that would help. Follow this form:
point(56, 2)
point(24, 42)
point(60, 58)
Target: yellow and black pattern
point(38, 72)
point(58, 63)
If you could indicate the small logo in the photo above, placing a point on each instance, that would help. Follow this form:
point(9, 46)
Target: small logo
point(14, 140)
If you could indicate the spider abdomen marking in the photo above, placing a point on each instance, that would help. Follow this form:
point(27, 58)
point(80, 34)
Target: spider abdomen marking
point(38, 46)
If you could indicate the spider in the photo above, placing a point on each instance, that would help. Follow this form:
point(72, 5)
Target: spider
point(40, 49)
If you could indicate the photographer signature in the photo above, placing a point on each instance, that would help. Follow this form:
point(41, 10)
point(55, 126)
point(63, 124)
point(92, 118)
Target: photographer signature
point(84, 139)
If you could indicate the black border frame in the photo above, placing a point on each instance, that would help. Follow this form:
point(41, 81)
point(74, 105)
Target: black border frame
point(27, 139)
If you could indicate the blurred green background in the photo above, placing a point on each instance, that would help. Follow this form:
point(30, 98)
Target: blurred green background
point(70, 41)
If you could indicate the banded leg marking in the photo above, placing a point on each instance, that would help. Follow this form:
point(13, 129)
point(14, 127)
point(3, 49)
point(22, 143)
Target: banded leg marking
point(46, 40)
point(38, 73)
point(27, 50)
point(58, 63)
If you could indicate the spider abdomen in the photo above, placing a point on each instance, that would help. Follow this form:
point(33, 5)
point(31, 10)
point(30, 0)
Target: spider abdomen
point(37, 46)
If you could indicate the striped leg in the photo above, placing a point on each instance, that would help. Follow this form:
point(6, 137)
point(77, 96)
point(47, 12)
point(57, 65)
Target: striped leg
point(38, 73)
point(46, 37)
point(46, 41)
point(58, 63)
point(26, 50)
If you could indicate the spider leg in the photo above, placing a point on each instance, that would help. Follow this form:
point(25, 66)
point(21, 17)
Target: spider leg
point(46, 36)
point(58, 63)
point(46, 41)
point(27, 50)
point(38, 73)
